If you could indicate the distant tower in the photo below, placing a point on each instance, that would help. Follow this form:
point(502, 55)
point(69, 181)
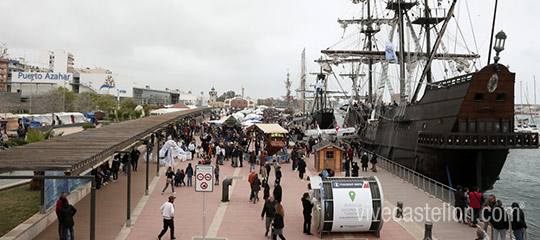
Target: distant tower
point(242, 92)
point(213, 96)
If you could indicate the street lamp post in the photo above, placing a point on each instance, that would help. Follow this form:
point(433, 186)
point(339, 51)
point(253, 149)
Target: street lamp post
point(500, 41)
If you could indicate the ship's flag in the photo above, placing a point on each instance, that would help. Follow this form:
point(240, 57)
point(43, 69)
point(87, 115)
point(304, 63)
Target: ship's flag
point(390, 53)
point(109, 83)
point(337, 127)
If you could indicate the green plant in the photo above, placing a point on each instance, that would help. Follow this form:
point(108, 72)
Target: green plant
point(88, 125)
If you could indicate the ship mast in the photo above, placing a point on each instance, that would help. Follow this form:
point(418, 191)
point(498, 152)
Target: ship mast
point(288, 87)
point(370, 31)
point(303, 81)
point(428, 37)
point(401, 24)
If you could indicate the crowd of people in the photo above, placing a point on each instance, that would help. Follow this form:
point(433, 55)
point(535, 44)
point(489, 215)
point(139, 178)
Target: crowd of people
point(218, 146)
point(473, 209)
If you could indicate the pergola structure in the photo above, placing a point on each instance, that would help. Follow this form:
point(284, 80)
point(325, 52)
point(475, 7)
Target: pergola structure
point(79, 153)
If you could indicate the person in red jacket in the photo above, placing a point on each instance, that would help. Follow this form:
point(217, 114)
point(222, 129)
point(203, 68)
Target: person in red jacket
point(475, 203)
point(58, 205)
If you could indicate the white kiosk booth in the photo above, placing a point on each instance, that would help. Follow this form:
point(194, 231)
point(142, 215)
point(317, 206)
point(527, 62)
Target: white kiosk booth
point(347, 204)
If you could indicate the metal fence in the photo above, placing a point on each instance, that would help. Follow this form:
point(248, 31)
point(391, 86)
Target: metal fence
point(430, 186)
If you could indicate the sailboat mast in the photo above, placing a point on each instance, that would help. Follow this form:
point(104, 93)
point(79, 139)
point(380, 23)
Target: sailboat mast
point(402, 90)
point(534, 90)
point(428, 36)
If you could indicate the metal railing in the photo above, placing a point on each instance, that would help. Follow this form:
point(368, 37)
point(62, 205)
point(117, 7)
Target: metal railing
point(430, 186)
point(478, 140)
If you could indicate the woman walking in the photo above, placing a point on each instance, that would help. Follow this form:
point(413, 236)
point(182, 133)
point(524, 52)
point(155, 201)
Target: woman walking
point(308, 206)
point(255, 188)
point(170, 176)
point(279, 223)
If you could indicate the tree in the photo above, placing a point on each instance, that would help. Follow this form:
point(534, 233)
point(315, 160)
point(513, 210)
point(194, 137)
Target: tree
point(128, 104)
point(226, 95)
point(86, 102)
point(106, 103)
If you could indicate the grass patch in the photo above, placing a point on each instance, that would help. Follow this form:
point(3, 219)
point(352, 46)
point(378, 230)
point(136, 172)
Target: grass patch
point(18, 204)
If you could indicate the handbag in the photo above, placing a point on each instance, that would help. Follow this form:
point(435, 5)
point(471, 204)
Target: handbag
point(169, 180)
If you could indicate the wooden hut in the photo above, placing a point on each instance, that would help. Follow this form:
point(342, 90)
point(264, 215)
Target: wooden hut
point(328, 156)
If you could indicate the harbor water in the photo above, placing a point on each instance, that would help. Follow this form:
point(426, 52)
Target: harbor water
point(520, 182)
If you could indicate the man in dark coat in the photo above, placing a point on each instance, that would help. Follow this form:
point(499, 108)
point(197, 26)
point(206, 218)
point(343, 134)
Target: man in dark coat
point(277, 191)
point(460, 204)
point(364, 160)
point(65, 217)
point(518, 222)
point(269, 209)
point(135, 157)
point(58, 206)
point(301, 168)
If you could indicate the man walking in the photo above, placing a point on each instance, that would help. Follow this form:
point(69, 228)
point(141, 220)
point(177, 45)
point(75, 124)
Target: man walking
point(58, 206)
point(135, 158)
point(65, 217)
point(269, 209)
point(189, 174)
point(167, 211)
point(252, 160)
point(301, 168)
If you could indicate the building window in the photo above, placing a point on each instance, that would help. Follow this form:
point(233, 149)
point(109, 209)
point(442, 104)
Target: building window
point(501, 97)
point(472, 126)
point(329, 154)
point(506, 126)
point(497, 126)
point(463, 126)
point(478, 97)
point(481, 126)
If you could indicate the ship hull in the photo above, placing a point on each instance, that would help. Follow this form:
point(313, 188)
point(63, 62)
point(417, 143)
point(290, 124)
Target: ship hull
point(468, 168)
point(454, 107)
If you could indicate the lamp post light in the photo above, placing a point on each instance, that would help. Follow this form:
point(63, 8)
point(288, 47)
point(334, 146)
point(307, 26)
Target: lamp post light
point(500, 41)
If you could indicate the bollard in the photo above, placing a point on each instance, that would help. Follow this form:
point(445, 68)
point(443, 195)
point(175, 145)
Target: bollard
point(429, 227)
point(399, 212)
point(225, 189)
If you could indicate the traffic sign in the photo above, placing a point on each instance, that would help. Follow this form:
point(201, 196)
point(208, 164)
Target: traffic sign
point(204, 178)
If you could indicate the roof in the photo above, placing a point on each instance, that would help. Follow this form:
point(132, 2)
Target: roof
point(270, 128)
point(179, 105)
point(79, 152)
point(325, 144)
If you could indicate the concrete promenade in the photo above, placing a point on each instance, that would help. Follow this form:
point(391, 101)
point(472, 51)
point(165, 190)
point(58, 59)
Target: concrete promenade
point(238, 219)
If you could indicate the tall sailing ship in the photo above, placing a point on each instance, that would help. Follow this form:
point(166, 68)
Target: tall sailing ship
point(457, 130)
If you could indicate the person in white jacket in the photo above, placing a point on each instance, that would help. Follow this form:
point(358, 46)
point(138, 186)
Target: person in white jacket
point(167, 211)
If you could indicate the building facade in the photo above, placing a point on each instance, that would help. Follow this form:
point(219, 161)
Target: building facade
point(4, 63)
point(239, 103)
point(154, 97)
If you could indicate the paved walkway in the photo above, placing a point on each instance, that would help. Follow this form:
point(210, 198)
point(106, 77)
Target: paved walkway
point(110, 206)
point(238, 219)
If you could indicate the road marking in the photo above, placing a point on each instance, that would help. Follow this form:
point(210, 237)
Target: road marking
point(220, 213)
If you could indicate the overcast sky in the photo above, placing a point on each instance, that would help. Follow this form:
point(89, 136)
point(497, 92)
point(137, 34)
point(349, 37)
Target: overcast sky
point(194, 45)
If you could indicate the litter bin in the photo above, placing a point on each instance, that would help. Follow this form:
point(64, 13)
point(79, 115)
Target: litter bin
point(227, 182)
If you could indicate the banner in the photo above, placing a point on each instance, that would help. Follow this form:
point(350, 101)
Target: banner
point(353, 206)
